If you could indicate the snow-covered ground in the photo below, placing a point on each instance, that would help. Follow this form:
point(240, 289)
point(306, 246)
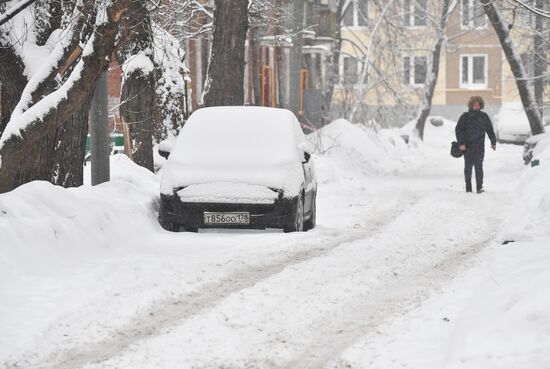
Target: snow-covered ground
point(404, 270)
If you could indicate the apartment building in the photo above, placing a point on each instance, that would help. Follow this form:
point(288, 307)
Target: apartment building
point(401, 36)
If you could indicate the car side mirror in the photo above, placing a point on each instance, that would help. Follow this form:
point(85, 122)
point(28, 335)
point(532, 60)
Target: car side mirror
point(307, 156)
point(165, 148)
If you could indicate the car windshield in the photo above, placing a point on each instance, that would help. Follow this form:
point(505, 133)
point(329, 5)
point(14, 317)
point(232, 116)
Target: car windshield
point(228, 137)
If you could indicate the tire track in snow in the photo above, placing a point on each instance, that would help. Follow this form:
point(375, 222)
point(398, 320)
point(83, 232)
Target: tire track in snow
point(168, 312)
point(398, 297)
point(277, 329)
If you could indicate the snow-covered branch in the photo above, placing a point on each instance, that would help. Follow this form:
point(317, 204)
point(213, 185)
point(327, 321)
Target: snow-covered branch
point(14, 10)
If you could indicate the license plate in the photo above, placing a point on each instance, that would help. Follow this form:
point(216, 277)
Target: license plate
point(235, 218)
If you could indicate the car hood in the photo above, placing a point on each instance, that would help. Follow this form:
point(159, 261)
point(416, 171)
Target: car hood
point(228, 193)
point(287, 177)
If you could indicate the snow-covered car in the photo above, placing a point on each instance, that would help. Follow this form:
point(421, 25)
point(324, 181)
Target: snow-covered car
point(511, 124)
point(239, 167)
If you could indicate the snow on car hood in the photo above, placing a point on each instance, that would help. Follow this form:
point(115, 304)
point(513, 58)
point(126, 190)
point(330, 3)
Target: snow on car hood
point(232, 193)
point(287, 177)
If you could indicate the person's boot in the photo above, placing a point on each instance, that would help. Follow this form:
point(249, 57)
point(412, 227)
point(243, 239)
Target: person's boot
point(480, 190)
point(468, 188)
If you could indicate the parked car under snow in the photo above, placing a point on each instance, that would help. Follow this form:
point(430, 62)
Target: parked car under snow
point(239, 167)
point(511, 124)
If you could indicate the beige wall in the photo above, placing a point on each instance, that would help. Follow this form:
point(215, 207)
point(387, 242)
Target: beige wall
point(500, 82)
point(491, 94)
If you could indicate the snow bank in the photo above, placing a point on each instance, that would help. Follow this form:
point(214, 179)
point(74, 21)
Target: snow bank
point(531, 217)
point(346, 150)
point(47, 230)
point(505, 322)
point(43, 226)
point(38, 216)
point(434, 136)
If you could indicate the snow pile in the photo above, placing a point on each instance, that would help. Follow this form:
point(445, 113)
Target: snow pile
point(47, 231)
point(346, 150)
point(435, 137)
point(506, 321)
point(531, 219)
point(39, 222)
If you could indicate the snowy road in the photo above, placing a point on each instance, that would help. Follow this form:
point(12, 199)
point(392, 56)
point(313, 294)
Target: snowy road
point(385, 244)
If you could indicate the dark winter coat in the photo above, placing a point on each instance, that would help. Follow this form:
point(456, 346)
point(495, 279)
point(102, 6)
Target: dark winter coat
point(471, 129)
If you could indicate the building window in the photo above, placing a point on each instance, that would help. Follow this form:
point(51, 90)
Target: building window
point(473, 71)
point(472, 14)
point(415, 70)
point(356, 13)
point(414, 13)
point(349, 70)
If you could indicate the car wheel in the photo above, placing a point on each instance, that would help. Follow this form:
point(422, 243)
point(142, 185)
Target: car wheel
point(311, 222)
point(298, 223)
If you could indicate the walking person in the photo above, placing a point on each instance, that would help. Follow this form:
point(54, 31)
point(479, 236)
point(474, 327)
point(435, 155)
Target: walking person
point(470, 135)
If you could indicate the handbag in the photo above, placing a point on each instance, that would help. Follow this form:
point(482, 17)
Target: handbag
point(455, 150)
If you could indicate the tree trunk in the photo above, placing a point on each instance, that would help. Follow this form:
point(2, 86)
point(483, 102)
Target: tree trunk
point(431, 79)
point(225, 77)
point(67, 168)
point(256, 64)
point(139, 106)
point(59, 156)
point(12, 85)
point(502, 29)
point(15, 150)
point(138, 110)
point(539, 59)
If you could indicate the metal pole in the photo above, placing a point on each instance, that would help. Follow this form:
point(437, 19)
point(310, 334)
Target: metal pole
point(99, 132)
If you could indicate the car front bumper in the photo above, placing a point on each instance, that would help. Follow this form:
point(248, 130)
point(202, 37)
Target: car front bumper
point(190, 215)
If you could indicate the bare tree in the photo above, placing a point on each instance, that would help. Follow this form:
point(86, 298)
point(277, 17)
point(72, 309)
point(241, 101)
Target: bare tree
point(502, 29)
point(431, 78)
point(334, 67)
point(138, 107)
point(539, 61)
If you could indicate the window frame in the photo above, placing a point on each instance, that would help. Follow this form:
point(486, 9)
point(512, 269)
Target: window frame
point(341, 79)
point(470, 85)
point(355, 15)
point(412, 14)
point(471, 16)
point(412, 70)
